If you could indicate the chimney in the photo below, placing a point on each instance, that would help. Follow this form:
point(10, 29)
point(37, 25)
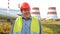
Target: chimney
point(35, 12)
point(52, 14)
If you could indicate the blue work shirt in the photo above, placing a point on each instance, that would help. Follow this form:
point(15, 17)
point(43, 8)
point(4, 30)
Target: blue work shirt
point(26, 27)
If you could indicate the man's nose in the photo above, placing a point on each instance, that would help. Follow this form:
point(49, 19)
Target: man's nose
point(25, 12)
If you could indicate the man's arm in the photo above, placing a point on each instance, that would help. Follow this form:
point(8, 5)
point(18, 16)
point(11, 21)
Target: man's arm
point(41, 30)
point(11, 31)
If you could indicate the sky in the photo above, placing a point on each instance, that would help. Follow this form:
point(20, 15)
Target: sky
point(42, 4)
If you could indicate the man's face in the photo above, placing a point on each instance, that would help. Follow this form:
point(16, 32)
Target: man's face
point(25, 13)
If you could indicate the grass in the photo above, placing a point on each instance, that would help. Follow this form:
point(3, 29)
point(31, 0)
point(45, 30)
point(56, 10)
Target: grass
point(51, 27)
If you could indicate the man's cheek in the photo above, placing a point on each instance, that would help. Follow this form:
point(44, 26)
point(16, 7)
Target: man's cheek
point(25, 13)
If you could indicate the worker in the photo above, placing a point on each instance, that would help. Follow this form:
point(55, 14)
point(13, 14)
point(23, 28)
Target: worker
point(26, 24)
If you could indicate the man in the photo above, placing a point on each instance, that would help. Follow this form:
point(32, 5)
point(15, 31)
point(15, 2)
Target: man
point(26, 24)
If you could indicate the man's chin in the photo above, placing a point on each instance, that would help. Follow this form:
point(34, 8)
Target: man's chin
point(27, 16)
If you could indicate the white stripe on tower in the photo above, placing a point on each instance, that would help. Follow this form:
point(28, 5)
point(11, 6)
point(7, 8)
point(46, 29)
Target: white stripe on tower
point(52, 13)
point(35, 12)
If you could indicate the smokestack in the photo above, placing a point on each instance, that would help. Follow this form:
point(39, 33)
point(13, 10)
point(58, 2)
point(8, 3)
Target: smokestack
point(8, 5)
point(52, 14)
point(35, 12)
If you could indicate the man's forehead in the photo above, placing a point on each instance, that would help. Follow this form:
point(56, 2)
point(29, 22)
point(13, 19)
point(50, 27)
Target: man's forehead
point(25, 9)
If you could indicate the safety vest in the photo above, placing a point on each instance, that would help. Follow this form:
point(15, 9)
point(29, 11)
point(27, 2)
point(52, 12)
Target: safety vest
point(34, 27)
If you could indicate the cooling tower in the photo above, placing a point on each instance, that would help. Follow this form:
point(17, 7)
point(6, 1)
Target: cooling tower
point(52, 14)
point(35, 12)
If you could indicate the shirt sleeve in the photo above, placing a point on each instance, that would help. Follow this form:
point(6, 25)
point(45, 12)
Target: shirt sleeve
point(41, 30)
point(11, 31)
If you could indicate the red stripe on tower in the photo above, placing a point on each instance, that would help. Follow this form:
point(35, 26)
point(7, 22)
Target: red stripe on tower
point(52, 10)
point(18, 5)
point(8, 7)
point(35, 12)
point(35, 8)
point(8, 0)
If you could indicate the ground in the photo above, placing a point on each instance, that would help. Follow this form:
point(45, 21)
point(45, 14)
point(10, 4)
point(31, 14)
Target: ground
point(51, 26)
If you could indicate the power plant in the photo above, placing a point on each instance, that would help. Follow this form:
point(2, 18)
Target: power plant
point(11, 11)
point(52, 13)
point(35, 12)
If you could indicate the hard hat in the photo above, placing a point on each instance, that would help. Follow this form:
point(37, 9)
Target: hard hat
point(25, 5)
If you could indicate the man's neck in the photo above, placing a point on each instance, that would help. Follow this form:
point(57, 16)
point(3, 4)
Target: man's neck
point(26, 17)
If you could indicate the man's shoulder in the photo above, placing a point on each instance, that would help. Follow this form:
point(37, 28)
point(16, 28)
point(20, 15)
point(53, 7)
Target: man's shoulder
point(35, 17)
point(18, 17)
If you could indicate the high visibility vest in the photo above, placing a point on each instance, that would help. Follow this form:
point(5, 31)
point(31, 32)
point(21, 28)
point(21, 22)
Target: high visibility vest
point(34, 27)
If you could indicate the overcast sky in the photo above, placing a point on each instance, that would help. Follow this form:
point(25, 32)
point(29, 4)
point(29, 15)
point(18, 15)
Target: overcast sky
point(42, 4)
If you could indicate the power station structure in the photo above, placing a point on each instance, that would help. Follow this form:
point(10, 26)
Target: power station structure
point(35, 12)
point(51, 14)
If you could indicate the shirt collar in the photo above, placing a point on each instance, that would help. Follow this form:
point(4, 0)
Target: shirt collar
point(28, 18)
